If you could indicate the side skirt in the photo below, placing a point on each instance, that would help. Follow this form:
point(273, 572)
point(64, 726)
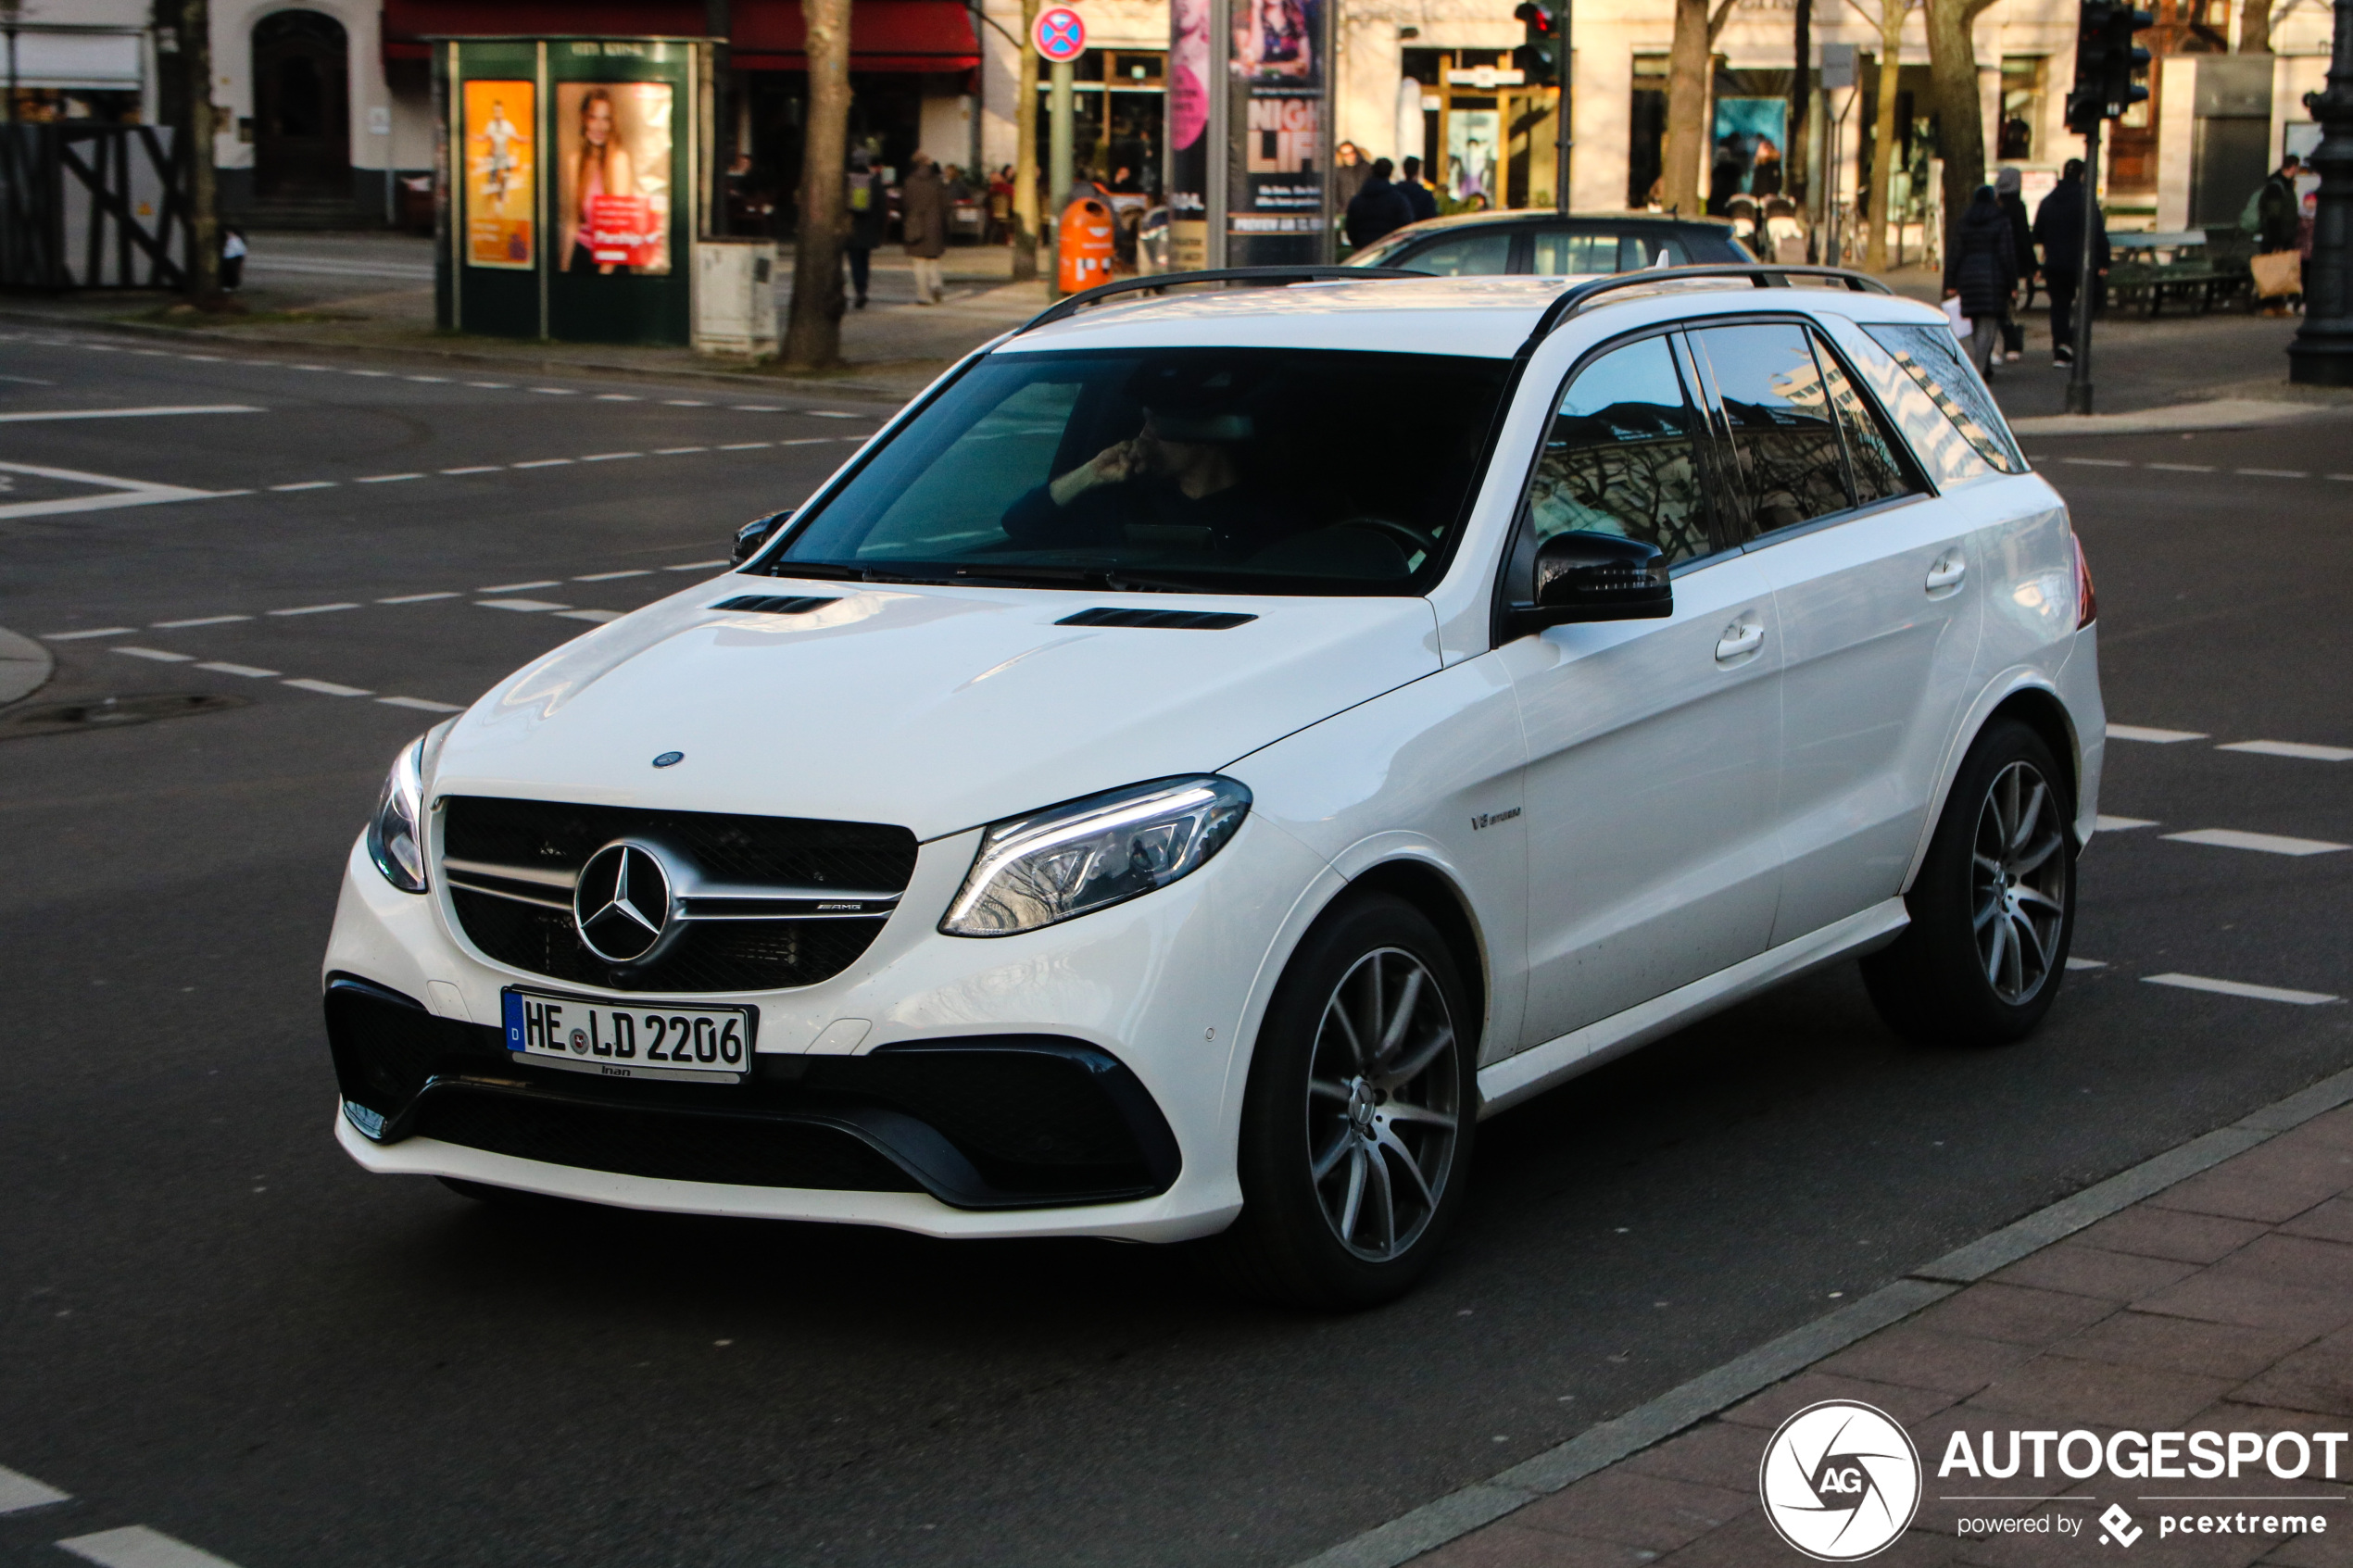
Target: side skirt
point(1508, 1081)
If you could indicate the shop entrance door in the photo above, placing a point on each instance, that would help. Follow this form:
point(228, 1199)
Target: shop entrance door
point(301, 107)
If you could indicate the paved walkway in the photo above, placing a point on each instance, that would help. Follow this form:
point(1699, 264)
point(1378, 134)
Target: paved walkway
point(2222, 1303)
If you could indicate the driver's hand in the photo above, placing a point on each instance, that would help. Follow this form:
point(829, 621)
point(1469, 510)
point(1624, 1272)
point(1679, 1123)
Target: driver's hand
point(1115, 464)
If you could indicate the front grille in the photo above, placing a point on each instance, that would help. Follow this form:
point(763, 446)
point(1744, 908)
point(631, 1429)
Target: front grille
point(739, 1150)
point(508, 863)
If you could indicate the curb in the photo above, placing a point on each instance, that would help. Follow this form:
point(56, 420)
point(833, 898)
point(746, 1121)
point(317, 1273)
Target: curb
point(25, 667)
point(1482, 1502)
point(773, 385)
point(2225, 413)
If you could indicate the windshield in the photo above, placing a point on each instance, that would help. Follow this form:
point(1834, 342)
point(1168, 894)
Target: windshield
point(1192, 469)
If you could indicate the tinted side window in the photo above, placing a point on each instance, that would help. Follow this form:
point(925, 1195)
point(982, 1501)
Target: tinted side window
point(1786, 452)
point(1878, 473)
point(1471, 255)
point(1621, 455)
point(1941, 448)
point(1933, 359)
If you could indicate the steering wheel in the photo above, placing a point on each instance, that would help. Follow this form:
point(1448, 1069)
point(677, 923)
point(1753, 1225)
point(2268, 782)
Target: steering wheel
point(1406, 534)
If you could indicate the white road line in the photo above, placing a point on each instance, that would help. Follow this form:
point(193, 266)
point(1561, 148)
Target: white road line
point(516, 587)
point(682, 566)
point(745, 445)
point(529, 606)
point(2154, 737)
point(2122, 824)
point(2183, 468)
point(684, 403)
point(677, 451)
point(19, 1492)
point(160, 656)
point(30, 415)
point(196, 621)
point(2264, 843)
point(616, 576)
point(308, 484)
point(250, 671)
point(2087, 963)
point(476, 468)
point(386, 478)
point(617, 397)
point(2276, 473)
point(313, 610)
point(755, 408)
point(831, 414)
point(2240, 989)
point(609, 457)
point(2292, 748)
point(555, 391)
point(380, 375)
point(494, 385)
point(326, 688)
point(120, 493)
point(542, 463)
point(421, 704)
point(417, 598)
point(2098, 462)
point(294, 367)
point(93, 631)
point(135, 1545)
point(442, 379)
point(807, 440)
point(600, 616)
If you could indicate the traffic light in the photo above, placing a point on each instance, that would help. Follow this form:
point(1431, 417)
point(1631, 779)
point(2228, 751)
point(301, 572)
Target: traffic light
point(1537, 57)
point(2106, 62)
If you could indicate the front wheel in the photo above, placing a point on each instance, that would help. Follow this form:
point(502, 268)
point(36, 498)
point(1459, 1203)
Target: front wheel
point(1356, 1128)
point(1994, 908)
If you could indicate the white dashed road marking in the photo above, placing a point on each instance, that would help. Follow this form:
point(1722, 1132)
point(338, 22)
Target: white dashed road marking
point(529, 606)
point(326, 688)
point(516, 587)
point(417, 598)
point(2292, 748)
point(616, 576)
point(93, 631)
point(250, 671)
point(475, 468)
point(21, 1492)
point(314, 609)
point(162, 656)
point(420, 705)
point(2087, 963)
point(197, 621)
point(2154, 737)
point(2264, 843)
point(28, 416)
point(609, 457)
point(2240, 989)
point(600, 616)
point(386, 478)
point(2122, 824)
point(2098, 462)
point(307, 484)
point(118, 493)
point(544, 463)
point(135, 1545)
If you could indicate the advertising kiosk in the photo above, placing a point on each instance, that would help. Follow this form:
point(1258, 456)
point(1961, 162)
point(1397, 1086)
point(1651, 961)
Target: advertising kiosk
point(571, 186)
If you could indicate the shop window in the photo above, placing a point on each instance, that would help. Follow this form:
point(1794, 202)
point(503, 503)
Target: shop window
point(2023, 77)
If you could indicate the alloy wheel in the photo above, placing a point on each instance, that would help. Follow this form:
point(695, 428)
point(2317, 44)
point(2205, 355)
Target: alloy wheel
point(1384, 1104)
point(2019, 882)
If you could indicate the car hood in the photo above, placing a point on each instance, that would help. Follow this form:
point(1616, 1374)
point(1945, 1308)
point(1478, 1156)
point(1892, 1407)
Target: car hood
point(933, 709)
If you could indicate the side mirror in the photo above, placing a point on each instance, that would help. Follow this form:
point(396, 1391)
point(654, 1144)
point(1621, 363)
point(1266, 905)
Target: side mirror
point(753, 534)
point(1584, 576)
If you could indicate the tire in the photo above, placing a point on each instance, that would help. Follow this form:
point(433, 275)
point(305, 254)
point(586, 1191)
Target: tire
point(1994, 908)
point(1393, 1142)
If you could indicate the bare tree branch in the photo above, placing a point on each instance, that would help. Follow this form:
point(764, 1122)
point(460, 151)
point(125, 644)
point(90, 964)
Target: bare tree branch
point(1716, 22)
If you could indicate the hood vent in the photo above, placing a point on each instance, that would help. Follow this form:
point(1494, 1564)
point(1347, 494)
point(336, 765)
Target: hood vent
point(1162, 620)
point(777, 604)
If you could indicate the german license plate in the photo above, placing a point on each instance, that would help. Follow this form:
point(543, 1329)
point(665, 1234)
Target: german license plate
point(647, 1040)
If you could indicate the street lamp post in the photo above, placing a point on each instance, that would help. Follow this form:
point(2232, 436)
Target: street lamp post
point(2323, 352)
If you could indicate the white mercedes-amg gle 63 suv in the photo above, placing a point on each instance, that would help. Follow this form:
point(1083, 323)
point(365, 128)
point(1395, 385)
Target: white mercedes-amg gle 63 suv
point(1220, 742)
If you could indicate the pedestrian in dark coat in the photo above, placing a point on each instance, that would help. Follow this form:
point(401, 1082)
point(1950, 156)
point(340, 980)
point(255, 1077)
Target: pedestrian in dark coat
point(869, 220)
point(2009, 188)
point(1378, 208)
point(2058, 229)
point(1983, 270)
point(2277, 219)
point(923, 224)
point(1417, 196)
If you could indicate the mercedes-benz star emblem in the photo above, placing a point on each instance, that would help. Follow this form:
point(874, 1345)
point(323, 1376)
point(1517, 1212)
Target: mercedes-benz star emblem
point(622, 902)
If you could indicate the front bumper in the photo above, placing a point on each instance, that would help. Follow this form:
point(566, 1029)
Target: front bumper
point(1077, 1081)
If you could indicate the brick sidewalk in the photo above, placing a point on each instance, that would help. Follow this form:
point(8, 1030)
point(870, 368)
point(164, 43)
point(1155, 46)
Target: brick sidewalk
point(2222, 1303)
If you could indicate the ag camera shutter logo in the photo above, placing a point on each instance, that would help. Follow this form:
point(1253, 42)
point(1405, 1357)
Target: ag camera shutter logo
point(1840, 1480)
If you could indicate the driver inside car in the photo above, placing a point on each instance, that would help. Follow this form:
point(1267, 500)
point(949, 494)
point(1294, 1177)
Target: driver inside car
point(1186, 469)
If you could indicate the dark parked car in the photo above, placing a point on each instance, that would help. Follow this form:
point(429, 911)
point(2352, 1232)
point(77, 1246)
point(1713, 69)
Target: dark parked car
point(1546, 243)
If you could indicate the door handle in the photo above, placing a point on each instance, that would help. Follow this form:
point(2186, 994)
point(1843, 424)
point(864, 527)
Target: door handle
point(1740, 639)
point(1947, 572)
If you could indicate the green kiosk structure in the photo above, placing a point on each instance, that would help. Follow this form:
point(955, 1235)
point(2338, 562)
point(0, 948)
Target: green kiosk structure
point(573, 195)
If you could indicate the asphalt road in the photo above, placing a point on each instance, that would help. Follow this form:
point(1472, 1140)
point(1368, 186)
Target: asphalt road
point(218, 1328)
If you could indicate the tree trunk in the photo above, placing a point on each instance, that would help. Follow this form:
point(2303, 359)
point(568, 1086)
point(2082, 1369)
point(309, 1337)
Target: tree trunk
point(203, 200)
point(1025, 152)
point(813, 341)
point(1796, 164)
point(1960, 113)
point(1687, 63)
point(1890, 52)
point(2255, 26)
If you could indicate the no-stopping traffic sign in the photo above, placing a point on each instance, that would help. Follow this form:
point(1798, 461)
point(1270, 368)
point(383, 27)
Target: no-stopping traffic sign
point(1060, 34)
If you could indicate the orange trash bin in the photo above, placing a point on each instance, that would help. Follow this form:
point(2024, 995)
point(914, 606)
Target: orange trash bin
point(1083, 239)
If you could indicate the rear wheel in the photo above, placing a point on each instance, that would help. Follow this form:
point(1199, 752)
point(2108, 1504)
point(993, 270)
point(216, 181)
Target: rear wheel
point(1994, 908)
point(1356, 1129)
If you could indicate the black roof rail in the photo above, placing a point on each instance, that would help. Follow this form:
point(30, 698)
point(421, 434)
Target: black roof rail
point(1264, 277)
point(1763, 274)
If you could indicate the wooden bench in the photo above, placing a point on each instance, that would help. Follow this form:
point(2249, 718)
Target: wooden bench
point(2205, 264)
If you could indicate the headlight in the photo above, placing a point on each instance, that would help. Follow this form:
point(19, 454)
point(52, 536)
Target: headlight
point(1074, 859)
point(395, 834)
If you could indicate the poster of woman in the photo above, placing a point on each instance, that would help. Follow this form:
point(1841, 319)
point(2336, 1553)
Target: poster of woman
point(502, 175)
point(1274, 40)
point(613, 145)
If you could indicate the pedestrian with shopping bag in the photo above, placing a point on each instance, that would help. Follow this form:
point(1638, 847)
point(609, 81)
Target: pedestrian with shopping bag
point(1983, 274)
point(2278, 265)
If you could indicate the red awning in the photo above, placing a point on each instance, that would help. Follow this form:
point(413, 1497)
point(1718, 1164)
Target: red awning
point(885, 35)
